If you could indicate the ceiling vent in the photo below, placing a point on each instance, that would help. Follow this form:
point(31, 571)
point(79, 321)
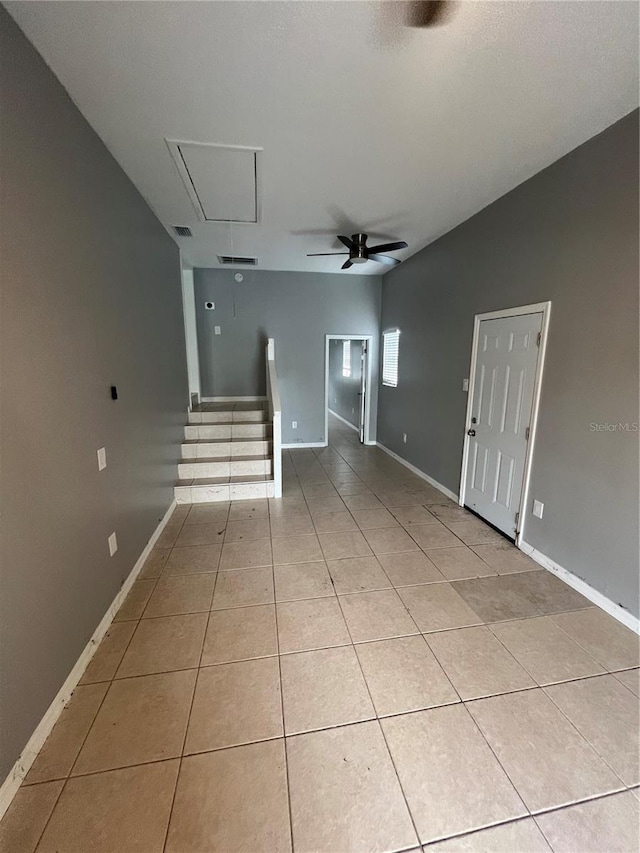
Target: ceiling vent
point(182, 231)
point(236, 259)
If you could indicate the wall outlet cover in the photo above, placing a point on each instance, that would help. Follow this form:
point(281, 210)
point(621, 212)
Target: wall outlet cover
point(113, 544)
point(102, 459)
point(294, 424)
point(538, 508)
point(465, 384)
point(404, 437)
point(216, 330)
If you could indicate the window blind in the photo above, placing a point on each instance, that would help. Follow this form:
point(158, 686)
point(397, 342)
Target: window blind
point(346, 358)
point(390, 347)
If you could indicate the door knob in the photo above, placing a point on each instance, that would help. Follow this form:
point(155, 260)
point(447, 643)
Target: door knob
point(471, 432)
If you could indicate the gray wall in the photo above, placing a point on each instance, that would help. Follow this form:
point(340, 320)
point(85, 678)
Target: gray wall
point(90, 298)
point(344, 391)
point(298, 310)
point(569, 235)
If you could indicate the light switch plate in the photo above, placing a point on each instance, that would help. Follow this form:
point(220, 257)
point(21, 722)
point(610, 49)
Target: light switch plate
point(538, 508)
point(113, 544)
point(294, 424)
point(216, 330)
point(102, 459)
point(465, 384)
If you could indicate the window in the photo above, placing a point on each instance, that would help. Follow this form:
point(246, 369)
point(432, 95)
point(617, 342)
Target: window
point(390, 345)
point(346, 358)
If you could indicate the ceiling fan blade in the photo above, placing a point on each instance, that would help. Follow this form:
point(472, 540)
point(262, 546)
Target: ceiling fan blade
point(319, 254)
point(346, 265)
point(389, 247)
point(428, 13)
point(347, 242)
point(383, 259)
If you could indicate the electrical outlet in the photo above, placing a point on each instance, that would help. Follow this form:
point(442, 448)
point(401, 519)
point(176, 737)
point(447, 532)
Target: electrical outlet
point(465, 384)
point(210, 306)
point(538, 508)
point(404, 437)
point(113, 544)
point(294, 424)
point(216, 330)
point(102, 459)
point(353, 411)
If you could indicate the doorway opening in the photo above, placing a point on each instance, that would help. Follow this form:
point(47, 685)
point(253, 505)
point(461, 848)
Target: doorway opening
point(348, 382)
point(505, 381)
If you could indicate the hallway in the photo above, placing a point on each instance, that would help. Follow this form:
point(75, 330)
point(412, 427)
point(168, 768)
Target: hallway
point(359, 666)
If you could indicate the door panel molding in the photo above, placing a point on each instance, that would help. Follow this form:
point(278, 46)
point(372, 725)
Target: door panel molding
point(536, 308)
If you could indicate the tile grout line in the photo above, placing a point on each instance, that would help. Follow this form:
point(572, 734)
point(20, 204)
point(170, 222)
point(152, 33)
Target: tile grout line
point(284, 741)
point(377, 720)
point(193, 696)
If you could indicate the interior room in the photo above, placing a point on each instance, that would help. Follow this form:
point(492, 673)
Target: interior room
point(319, 405)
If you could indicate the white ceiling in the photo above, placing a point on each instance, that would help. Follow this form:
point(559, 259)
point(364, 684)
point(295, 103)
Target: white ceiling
point(366, 124)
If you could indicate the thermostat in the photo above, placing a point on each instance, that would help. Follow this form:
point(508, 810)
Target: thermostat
point(210, 306)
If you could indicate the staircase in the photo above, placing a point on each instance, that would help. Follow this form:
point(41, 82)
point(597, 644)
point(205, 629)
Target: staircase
point(227, 453)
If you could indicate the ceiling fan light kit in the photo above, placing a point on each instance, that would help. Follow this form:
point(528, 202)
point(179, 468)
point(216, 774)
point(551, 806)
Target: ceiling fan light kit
point(360, 253)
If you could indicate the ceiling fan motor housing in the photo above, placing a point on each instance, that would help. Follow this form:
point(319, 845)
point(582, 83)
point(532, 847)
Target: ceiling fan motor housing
point(358, 253)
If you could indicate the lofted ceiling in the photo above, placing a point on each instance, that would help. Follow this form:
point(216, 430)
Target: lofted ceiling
point(365, 123)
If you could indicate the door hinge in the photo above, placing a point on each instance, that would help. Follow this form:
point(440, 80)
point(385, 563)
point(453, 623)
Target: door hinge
point(539, 338)
point(527, 433)
point(517, 519)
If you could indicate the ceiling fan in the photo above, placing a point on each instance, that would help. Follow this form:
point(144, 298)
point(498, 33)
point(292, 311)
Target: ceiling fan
point(429, 13)
point(360, 253)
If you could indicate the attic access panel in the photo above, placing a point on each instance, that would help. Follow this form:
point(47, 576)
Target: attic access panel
point(221, 180)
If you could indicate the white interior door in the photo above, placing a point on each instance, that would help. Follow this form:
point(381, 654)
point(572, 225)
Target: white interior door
point(503, 387)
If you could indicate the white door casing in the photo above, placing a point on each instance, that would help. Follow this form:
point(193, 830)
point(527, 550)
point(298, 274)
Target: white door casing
point(363, 387)
point(365, 402)
point(507, 358)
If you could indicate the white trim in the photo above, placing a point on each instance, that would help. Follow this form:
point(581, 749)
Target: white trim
point(430, 480)
point(368, 385)
point(233, 399)
point(543, 308)
point(190, 332)
point(344, 421)
point(604, 603)
point(301, 444)
point(275, 410)
point(11, 784)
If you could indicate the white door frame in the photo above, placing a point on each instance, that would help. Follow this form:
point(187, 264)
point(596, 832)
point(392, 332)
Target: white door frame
point(538, 307)
point(367, 394)
point(190, 332)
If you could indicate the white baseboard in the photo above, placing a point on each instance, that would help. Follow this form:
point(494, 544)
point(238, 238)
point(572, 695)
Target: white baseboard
point(344, 421)
point(420, 473)
point(298, 445)
point(232, 399)
point(10, 786)
point(583, 587)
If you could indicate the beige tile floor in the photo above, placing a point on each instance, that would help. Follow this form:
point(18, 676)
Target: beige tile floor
point(359, 666)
